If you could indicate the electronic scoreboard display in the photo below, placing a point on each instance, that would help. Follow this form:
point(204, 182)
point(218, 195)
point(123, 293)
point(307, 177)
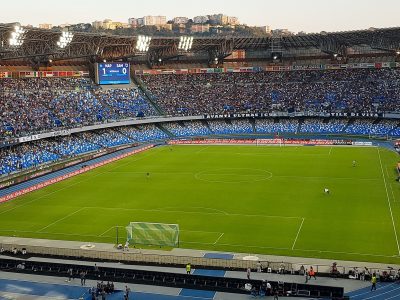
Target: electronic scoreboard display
point(113, 73)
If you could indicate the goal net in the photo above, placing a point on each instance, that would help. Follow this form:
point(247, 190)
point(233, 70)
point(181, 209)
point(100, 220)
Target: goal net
point(159, 234)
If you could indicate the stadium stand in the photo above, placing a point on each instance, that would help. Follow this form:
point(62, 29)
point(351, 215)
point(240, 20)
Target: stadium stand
point(39, 104)
point(332, 126)
point(333, 90)
point(195, 128)
point(270, 126)
point(143, 133)
point(230, 127)
point(125, 103)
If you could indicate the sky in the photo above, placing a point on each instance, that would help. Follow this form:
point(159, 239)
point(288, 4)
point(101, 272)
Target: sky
point(295, 15)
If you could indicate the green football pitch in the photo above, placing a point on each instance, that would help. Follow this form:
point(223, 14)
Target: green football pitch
point(250, 199)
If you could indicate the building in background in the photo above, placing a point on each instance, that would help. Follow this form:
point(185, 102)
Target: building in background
point(265, 29)
point(221, 19)
point(64, 25)
point(97, 24)
point(154, 20)
point(148, 21)
point(217, 19)
point(109, 24)
point(200, 19)
point(164, 26)
point(233, 21)
point(180, 20)
point(284, 32)
point(133, 22)
point(45, 26)
point(200, 28)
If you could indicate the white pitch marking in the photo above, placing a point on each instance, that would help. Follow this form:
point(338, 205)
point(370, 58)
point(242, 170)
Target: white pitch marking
point(59, 220)
point(343, 252)
point(203, 149)
point(191, 212)
point(222, 234)
point(388, 200)
point(107, 231)
point(200, 231)
point(394, 197)
point(217, 210)
point(391, 187)
point(298, 233)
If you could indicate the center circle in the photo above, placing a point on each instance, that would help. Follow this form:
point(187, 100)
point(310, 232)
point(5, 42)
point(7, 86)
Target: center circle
point(233, 175)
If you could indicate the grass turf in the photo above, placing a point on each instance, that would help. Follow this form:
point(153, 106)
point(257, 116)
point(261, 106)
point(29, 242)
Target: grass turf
point(266, 200)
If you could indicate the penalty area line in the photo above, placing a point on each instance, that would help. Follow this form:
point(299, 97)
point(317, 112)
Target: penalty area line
point(108, 230)
point(222, 234)
point(62, 219)
point(298, 233)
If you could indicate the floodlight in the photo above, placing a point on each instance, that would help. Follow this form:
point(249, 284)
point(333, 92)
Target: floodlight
point(143, 43)
point(335, 55)
point(17, 36)
point(185, 43)
point(65, 39)
point(398, 52)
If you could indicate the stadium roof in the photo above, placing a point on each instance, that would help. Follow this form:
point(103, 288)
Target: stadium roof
point(39, 44)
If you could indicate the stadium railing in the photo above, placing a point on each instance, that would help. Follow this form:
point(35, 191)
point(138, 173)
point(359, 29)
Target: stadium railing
point(136, 256)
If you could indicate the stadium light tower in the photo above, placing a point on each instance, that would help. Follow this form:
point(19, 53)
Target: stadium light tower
point(143, 43)
point(185, 43)
point(17, 36)
point(65, 39)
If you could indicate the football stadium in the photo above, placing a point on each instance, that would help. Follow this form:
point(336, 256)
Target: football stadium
point(187, 166)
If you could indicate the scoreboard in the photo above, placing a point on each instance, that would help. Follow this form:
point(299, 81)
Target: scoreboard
point(112, 73)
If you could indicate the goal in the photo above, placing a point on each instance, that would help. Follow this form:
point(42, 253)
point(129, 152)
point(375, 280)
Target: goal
point(158, 234)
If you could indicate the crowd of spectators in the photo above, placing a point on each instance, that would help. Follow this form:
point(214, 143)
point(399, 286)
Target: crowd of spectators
point(362, 90)
point(276, 126)
point(26, 156)
point(329, 126)
point(31, 105)
point(108, 138)
point(39, 153)
point(143, 133)
point(194, 128)
point(231, 126)
point(369, 127)
point(124, 103)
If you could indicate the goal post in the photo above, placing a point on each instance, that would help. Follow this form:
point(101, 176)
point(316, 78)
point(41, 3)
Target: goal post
point(155, 234)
